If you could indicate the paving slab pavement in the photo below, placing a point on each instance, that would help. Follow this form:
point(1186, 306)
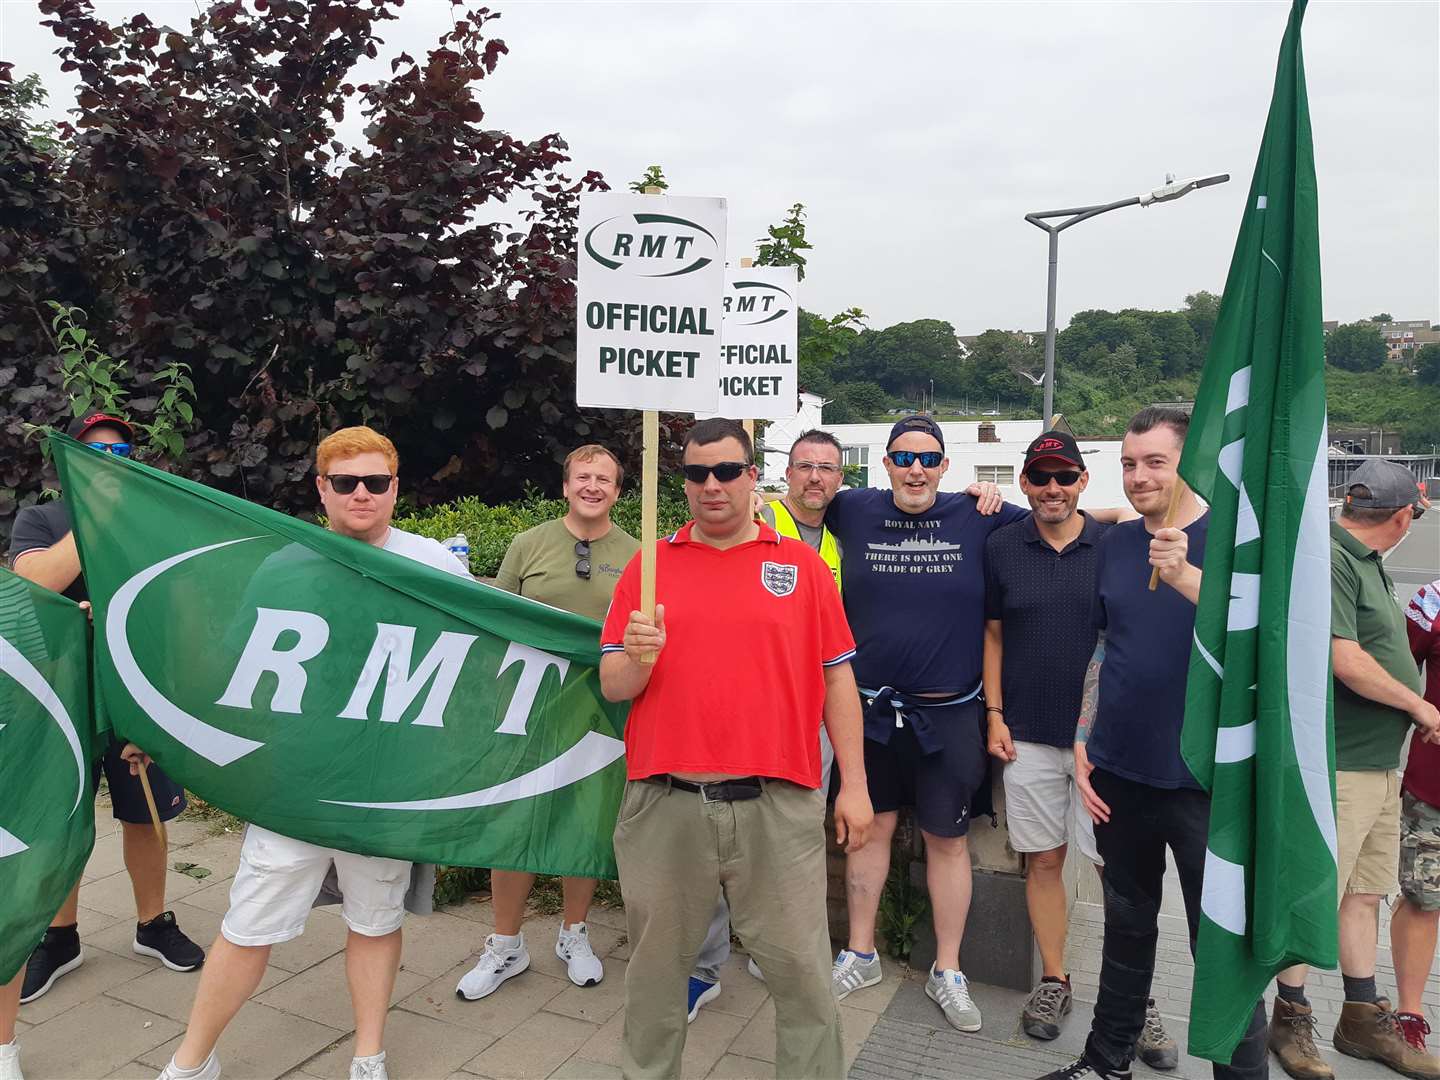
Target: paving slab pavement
point(121, 1016)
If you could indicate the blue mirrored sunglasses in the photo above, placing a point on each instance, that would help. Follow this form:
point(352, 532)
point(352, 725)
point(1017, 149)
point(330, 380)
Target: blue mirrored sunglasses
point(929, 459)
point(119, 449)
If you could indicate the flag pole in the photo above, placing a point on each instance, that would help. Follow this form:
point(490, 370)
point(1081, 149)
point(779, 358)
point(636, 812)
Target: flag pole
point(649, 497)
point(150, 802)
point(1175, 493)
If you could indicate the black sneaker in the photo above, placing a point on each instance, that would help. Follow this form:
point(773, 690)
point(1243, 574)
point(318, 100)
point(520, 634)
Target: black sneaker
point(57, 954)
point(1080, 1069)
point(163, 939)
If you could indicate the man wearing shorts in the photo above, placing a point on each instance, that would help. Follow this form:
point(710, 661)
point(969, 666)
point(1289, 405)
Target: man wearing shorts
point(913, 564)
point(571, 563)
point(42, 550)
point(1377, 701)
point(1039, 634)
point(279, 878)
point(1415, 916)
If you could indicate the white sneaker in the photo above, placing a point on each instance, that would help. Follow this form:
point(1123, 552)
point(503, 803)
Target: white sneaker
point(495, 966)
point(209, 1070)
point(951, 992)
point(851, 972)
point(754, 969)
point(581, 963)
point(369, 1068)
point(10, 1061)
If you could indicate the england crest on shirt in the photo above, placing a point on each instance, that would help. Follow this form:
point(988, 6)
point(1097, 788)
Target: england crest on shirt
point(779, 578)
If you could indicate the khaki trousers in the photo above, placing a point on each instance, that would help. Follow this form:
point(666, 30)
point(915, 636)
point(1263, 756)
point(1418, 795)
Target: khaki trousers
point(674, 851)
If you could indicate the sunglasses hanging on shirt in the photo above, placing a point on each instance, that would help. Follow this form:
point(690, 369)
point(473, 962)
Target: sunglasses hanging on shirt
point(582, 559)
point(345, 483)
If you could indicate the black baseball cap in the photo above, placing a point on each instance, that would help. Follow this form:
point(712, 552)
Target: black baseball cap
point(916, 422)
point(81, 425)
point(1054, 446)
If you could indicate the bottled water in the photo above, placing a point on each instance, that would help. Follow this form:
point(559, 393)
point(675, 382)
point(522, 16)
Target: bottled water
point(460, 548)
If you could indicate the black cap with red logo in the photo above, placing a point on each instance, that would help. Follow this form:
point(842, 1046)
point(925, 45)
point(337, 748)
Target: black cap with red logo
point(81, 425)
point(1054, 446)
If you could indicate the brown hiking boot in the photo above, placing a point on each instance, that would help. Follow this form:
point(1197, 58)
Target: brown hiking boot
point(1374, 1032)
point(1292, 1040)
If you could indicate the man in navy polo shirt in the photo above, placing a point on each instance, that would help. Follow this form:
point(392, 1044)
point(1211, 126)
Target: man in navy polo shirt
point(1128, 768)
point(913, 566)
point(1039, 636)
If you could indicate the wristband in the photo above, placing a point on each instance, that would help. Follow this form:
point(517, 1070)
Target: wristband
point(995, 708)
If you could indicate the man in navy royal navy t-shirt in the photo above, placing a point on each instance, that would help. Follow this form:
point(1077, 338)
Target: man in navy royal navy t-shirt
point(1128, 767)
point(913, 567)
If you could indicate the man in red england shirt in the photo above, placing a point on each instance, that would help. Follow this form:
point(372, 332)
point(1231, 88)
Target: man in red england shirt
point(1413, 921)
point(723, 763)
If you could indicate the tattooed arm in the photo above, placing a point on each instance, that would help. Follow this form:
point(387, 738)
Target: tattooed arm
point(1089, 709)
point(1090, 695)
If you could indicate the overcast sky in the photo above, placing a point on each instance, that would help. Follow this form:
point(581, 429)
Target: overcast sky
point(918, 135)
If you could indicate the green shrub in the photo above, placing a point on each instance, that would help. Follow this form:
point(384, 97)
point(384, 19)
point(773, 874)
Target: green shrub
point(491, 528)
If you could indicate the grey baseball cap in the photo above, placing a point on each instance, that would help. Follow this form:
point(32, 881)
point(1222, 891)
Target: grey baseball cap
point(1391, 485)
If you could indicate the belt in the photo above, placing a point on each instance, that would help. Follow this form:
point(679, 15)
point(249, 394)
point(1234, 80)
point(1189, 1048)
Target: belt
point(887, 709)
point(737, 790)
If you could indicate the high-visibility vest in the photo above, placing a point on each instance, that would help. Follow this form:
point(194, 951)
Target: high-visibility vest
point(785, 526)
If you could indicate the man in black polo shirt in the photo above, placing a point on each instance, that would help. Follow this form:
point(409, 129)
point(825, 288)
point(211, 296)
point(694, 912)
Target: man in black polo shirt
point(42, 550)
point(1039, 634)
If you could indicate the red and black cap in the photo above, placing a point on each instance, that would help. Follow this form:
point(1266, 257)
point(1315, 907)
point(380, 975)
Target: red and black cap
point(82, 425)
point(1054, 446)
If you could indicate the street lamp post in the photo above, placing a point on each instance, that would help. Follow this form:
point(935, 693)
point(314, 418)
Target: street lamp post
point(1172, 189)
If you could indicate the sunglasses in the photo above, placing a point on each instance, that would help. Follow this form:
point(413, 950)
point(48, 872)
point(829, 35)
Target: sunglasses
point(824, 468)
point(929, 459)
point(725, 471)
point(1040, 478)
point(345, 483)
point(582, 559)
point(119, 449)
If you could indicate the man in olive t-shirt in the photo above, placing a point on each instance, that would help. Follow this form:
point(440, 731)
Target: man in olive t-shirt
point(1377, 699)
point(573, 563)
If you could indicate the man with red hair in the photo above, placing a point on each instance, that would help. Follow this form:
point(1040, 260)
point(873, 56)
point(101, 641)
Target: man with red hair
point(279, 878)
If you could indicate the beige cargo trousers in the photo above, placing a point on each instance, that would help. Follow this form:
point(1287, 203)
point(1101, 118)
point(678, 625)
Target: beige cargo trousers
point(674, 849)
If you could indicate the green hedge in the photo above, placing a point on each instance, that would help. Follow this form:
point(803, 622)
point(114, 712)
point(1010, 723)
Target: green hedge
point(491, 528)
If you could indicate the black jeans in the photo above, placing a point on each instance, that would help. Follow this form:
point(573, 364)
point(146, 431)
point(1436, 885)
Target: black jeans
point(1144, 820)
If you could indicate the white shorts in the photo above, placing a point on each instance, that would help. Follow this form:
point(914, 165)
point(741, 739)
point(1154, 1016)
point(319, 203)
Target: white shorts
point(1042, 804)
point(279, 878)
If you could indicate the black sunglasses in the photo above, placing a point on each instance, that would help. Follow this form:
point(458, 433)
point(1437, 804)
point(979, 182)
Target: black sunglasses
point(582, 559)
point(725, 471)
point(344, 483)
point(1040, 478)
point(929, 459)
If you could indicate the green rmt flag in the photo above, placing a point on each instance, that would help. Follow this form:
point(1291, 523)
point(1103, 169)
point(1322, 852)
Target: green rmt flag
point(1257, 730)
point(47, 805)
point(339, 693)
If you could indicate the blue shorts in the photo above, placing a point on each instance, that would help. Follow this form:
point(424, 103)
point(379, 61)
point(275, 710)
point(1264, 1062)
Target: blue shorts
point(941, 786)
point(127, 797)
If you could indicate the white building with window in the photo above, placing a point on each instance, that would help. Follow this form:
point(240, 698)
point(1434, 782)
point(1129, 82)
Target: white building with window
point(971, 459)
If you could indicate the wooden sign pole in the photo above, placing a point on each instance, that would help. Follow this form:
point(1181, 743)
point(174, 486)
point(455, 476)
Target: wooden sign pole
point(649, 498)
point(748, 425)
point(1175, 493)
